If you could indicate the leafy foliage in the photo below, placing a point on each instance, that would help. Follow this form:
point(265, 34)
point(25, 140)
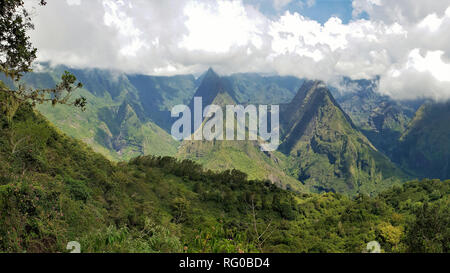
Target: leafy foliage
point(16, 51)
point(16, 57)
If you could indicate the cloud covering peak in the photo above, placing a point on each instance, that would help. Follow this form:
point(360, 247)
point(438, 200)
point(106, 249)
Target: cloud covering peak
point(404, 42)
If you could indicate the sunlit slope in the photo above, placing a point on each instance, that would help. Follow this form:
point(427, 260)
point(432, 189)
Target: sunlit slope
point(115, 122)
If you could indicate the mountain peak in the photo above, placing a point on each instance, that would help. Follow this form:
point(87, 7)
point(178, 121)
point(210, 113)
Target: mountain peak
point(211, 86)
point(210, 73)
point(210, 70)
point(312, 91)
point(319, 83)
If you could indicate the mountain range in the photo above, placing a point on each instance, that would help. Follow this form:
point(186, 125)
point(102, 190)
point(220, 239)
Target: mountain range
point(145, 103)
point(354, 141)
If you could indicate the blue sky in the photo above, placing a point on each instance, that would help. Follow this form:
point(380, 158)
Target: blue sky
point(320, 10)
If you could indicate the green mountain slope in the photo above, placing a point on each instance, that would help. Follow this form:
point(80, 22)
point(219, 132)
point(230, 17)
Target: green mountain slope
point(321, 148)
point(424, 148)
point(258, 89)
point(102, 126)
point(241, 155)
point(151, 99)
point(326, 151)
point(158, 95)
point(244, 155)
point(380, 118)
point(122, 131)
point(55, 189)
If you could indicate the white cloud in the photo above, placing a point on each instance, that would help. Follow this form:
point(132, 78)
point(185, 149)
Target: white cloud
point(400, 11)
point(279, 4)
point(406, 43)
point(73, 2)
point(307, 3)
point(210, 28)
point(128, 32)
point(432, 22)
point(432, 62)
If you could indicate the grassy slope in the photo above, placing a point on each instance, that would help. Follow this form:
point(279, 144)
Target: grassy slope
point(241, 155)
point(137, 138)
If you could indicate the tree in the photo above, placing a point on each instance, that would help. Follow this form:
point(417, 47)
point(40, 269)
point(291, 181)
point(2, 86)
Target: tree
point(180, 207)
point(16, 57)
point(260, 235)
point(430, 232)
